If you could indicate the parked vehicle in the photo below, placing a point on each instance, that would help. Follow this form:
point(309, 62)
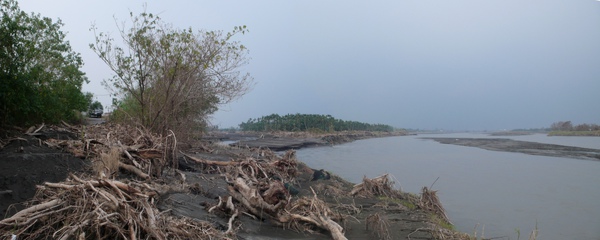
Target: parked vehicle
point(96, 113)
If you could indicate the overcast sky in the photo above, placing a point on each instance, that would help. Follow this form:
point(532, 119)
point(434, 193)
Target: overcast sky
point(461, 64)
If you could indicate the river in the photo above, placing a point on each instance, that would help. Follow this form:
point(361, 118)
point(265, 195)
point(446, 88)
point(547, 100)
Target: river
point(497, 194)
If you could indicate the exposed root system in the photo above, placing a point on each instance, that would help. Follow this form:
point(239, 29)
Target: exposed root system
point(101, 209)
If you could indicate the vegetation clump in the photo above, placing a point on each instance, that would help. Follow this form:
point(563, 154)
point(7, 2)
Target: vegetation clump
point(172, 79)
point(566, 128)
point(309, 122)
point(40, 76)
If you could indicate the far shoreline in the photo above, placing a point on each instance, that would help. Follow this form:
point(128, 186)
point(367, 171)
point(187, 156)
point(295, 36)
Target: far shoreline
point(531, 148)
point(282, 141)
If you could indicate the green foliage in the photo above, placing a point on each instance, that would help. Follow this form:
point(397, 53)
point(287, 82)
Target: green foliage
point(124, 108)
point(309, 122)
point(78, 117)
point(96, 105)
point(40, 80)
point(172, 79)
point(441, 222)
point(88, 98)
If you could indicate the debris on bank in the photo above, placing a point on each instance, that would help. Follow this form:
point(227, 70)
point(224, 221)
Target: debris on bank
point(138, 179)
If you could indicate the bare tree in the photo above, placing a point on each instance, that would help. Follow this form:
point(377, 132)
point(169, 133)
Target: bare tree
point(174, 77)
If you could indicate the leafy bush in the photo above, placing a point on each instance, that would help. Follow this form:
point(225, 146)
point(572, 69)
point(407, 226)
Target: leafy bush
point(40, 80)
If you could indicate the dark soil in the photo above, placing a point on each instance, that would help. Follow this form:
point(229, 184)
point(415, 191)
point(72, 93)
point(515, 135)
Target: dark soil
point(532, 148)
point(26, 162)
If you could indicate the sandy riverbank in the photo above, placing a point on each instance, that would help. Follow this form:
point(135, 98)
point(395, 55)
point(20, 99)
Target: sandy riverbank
point(532, 148)
point(281, 141)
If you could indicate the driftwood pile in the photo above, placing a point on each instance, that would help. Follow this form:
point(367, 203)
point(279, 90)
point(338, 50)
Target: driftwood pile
point(100, 209)
point(98, 206)
point(259, 186)
point(379, 186)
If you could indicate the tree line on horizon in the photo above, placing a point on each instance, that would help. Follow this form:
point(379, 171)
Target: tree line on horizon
point(308, 122)
point(568, 126)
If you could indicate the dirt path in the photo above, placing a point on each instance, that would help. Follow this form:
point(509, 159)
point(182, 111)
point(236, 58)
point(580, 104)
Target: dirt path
point(532, 148)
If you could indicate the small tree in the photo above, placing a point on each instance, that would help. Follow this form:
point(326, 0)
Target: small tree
point(40, 80)
point(96, 105)
point(175, 77)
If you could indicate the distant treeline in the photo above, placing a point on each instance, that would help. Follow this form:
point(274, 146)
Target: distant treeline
point(568, 126)
point(309, 122)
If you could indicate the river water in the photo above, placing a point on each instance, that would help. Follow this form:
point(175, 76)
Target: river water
point(497, 194)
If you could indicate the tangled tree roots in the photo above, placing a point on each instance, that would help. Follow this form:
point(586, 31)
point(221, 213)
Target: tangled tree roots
point(100, 209)
point(312, 211)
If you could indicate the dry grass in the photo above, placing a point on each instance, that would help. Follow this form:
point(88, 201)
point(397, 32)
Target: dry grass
point(429, 201)
point(379, 226)
point(379, 186)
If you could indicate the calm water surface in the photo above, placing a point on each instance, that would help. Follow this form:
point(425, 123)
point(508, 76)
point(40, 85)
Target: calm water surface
point(494, 192)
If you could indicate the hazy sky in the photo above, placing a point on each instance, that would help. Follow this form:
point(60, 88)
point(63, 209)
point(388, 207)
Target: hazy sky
point(462, 64)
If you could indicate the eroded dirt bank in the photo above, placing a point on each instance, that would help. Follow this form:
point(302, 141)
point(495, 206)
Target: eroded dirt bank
point(532, 148)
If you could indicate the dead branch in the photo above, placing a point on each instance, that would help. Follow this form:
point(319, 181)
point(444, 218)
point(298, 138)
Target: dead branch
point(316, 212)
point(134, 170)
point(21, 215)
point(230, 223)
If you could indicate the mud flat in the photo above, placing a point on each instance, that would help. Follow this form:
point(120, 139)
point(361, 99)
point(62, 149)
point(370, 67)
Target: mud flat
point(532, 148)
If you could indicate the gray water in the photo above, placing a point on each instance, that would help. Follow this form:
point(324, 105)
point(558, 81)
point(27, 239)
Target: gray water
point(497, 193)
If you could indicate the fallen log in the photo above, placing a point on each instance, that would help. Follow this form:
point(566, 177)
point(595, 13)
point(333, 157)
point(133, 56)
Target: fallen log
point(134, 170)
point(209, 162)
